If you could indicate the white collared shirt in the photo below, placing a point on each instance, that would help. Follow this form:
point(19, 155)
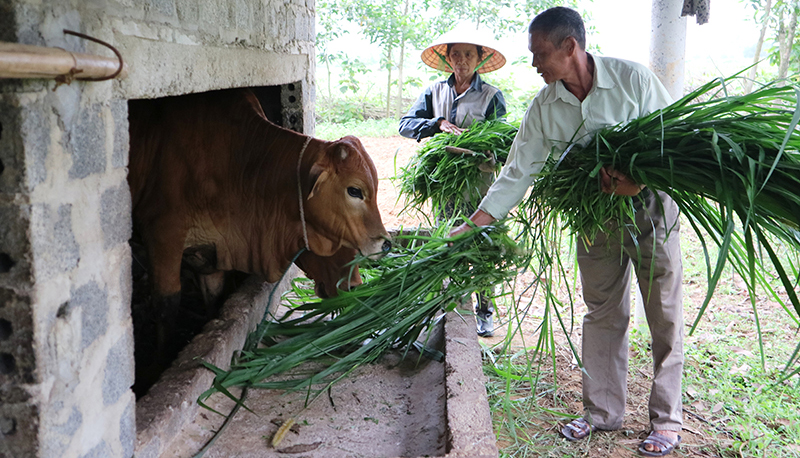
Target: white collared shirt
point(621, 91)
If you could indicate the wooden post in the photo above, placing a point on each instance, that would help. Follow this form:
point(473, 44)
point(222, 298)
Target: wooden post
point(25, 61)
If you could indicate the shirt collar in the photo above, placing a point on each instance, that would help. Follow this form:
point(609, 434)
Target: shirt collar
point(476, 84)
point(601, 80)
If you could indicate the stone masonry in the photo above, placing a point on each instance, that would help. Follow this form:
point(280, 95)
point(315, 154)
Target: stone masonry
point(66, 339)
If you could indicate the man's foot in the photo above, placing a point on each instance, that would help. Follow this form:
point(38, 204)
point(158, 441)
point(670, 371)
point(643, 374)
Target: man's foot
point(483, 318)
point(660, 443)
point(577, 429)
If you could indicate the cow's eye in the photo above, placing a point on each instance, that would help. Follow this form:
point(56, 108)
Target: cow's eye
point(355, 192)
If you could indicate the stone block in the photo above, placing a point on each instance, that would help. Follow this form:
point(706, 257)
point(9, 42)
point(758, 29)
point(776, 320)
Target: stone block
point(127, 429)
point(17, 356)
point(101, 450)
point(54, 247)
point(118, 377)
point(35, 131)
point(15, 249)
point(241, 15)
point(19, 427)
point(115, 215)
point(93, 303)
point(188, 12)
point(11, 164)
point(161, 10)
point(88, 140)
point(119, 113)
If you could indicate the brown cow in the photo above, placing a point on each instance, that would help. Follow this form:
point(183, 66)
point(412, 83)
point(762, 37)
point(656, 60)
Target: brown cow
point(215, 183)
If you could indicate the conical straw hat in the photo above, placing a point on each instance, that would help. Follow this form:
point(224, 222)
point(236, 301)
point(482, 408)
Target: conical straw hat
point(464, 34)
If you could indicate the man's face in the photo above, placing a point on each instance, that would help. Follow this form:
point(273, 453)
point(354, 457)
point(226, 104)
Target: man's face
point(463, 58)
point(550, 61)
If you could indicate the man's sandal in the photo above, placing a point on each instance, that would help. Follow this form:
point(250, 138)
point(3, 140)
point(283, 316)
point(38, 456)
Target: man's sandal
point(664, 444)
point(577, 429)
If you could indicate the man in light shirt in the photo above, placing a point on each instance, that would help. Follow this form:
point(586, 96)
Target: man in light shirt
point(585, 93)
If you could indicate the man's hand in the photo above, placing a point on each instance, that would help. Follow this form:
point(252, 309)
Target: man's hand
point(479, 218)
point(449, 127)
point(615, 182)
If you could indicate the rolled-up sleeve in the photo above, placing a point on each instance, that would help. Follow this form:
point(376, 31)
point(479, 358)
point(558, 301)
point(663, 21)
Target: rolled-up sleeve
point(526, 158)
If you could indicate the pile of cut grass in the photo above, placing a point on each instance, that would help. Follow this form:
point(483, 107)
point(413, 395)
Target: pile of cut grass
point(406, 291)
point(437, 177)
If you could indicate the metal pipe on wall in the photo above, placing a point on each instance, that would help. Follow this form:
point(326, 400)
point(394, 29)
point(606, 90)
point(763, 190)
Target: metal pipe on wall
point(26, 61)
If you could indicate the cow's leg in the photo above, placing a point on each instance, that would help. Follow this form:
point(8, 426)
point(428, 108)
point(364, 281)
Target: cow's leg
point(211, 285)
point(165, 248)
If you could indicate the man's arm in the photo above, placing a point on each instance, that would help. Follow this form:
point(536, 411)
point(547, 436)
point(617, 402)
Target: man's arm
point(479, 218)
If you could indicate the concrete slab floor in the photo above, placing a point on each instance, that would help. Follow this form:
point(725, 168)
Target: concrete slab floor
point(395, 408)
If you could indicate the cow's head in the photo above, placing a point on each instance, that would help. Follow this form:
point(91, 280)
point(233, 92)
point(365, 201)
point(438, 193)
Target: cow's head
point(342, 209)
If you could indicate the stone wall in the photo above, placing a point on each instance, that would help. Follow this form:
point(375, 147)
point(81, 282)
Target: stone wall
point(66, 346)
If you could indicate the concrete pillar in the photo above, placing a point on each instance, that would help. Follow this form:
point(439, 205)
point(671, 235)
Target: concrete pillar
point(668, 44)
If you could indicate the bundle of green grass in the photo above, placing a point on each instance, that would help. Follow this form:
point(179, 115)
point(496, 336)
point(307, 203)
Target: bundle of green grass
point(437, 176)
point(730, 162)
point(402, 296)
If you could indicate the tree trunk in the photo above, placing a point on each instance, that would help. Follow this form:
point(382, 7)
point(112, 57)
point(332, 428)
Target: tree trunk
point(400, 67)
point(748, 85)
point(388, 82)
point(328, 67)
point(788, 42)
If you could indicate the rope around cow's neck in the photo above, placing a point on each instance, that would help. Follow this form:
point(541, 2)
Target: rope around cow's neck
point(300, 193)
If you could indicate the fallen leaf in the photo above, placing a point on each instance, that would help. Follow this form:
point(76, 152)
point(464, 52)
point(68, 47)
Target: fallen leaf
point(729, 327)
point(691, 392)
point(739, 370)
point(300, 448)
point(717, 407)
point(740, 351)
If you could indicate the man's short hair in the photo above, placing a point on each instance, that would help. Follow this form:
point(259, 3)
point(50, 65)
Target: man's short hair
point(558, 23)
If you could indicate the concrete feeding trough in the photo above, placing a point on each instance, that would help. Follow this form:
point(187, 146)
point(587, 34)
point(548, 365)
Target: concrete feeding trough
point(394, 408)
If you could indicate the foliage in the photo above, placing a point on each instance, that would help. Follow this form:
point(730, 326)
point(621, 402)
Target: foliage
point(347, 110)
point(440, 177)
point(397, 25)
point(404, 294)
point(385, 127)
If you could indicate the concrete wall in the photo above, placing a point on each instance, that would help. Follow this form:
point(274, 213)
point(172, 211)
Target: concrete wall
point(66, 345)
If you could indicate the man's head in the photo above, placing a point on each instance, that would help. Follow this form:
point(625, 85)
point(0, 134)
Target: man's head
point(555, 37)
point(559, 23)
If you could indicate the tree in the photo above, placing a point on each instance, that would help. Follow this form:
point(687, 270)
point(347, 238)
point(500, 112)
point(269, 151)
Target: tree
point(778, 19)
point(396, 25)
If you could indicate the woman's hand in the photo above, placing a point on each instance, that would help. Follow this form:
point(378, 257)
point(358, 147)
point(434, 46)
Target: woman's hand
point(449, 127)
point(615, 182)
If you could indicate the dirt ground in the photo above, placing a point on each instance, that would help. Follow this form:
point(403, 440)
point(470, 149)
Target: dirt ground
point(698, 432)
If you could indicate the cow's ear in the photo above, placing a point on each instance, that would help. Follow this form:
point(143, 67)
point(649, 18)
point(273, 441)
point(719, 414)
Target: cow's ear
point(343, 153)
point(318, 174)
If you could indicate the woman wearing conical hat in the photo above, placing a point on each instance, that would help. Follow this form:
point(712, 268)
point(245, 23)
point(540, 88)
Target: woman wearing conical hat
point(452, 104)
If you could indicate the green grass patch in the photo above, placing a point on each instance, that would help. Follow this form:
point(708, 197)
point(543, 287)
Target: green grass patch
point(386, 127)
